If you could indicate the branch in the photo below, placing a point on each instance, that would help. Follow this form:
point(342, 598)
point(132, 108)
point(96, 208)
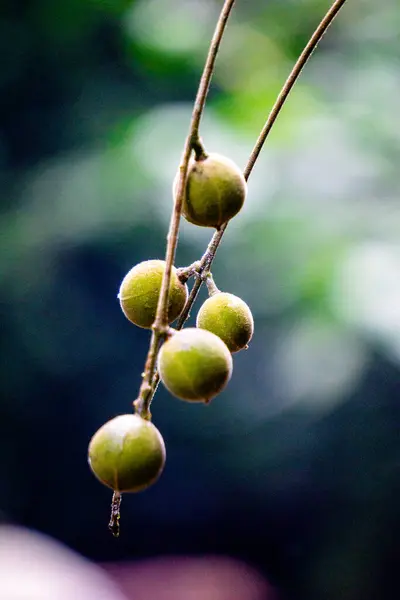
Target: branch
point(193, 142)
point(291, 80)
point(209, 255)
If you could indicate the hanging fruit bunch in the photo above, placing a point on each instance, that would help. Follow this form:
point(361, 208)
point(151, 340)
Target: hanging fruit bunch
point(127, 454)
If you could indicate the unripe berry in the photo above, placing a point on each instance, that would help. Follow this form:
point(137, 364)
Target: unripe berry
point(229, 318)
point(194, 364)
point(127, 453)
point(140, 289)
point(215, 191)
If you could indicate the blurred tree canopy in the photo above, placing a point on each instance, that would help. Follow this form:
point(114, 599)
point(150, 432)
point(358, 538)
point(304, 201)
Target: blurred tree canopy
point(295, 467)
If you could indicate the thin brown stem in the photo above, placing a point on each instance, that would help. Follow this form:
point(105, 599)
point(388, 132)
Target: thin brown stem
point(291, 80)
point(209, 255)
point(160, 325)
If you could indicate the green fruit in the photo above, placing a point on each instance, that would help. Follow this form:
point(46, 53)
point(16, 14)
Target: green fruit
point(215, 191)
point(140, 289)
point(127, 453)
point(194, 364)
point(229, 318)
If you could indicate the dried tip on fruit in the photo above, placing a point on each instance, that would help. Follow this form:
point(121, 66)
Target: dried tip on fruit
point(140, 289)
point(194, 365)
point(127, 454)
point(114, 525)
point(215, 191)
point(229, 317)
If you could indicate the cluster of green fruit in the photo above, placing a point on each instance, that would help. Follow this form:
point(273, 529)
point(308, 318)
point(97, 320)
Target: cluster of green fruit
point(195, 364)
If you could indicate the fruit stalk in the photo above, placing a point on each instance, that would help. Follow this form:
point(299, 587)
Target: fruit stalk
point(193, 142)
point(209, 255)
point(291, 80)
point(211, 285)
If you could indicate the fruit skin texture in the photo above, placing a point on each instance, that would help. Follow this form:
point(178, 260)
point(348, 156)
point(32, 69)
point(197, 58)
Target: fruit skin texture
point(139, 291)
point(229, 317)
point(215, 191)
point(127, 453)
point(194, 365)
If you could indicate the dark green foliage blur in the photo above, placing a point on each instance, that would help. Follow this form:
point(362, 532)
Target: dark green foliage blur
point(295, 467)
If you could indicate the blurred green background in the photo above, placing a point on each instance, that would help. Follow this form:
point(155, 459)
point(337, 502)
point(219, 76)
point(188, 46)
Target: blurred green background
point(295, 467)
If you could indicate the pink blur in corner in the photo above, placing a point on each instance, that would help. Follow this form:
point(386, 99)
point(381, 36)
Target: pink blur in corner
point(34, 566)
point(188, 578)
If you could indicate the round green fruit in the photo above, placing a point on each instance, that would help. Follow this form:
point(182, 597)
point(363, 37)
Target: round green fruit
point(194, 365)
point(229, 318)
point(127, 453)
point(215, 191)
point(140, 289)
